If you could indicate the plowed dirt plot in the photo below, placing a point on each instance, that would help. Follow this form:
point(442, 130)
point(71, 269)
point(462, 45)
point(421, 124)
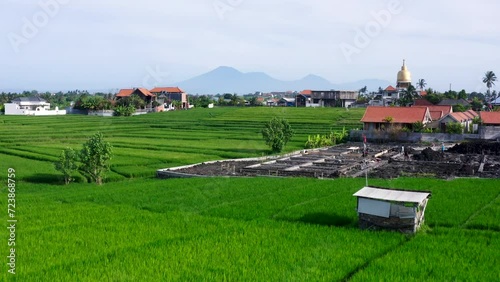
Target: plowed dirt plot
point(478, 159)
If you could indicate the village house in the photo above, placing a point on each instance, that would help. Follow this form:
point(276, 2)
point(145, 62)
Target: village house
point(172, 94)
point(464, 118)
point(382, 208)
point(334, 98)
point(286, 102)
point(33, 106)
point(303, 99)
point(142, 93)
point(272, 102)
point(490, 118)
point(437, 112)
point(380, 118)
point(388, 97)
point(454, 102)
point(422, 102)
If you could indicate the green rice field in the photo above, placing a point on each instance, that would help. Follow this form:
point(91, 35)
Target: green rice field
point(139, 228)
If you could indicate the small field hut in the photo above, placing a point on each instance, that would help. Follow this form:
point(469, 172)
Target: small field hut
point(382, 208)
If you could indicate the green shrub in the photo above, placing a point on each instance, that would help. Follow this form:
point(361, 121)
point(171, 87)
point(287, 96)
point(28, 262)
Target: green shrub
point(277, 132)
point(124, 110)
point(454, 128)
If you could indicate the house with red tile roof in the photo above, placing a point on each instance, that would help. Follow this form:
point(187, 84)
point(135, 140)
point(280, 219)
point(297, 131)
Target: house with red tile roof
point(490, 118)
point(464, 118)
point(438, 112)
point(303, 99)
point(422, 102)
point(169, 94)
point(125, 92)
point(390, 89)
point(143, 93)
point(376, 118)
point(388, 97)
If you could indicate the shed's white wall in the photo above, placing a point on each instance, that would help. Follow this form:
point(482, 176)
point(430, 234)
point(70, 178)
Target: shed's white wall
point(374, 207)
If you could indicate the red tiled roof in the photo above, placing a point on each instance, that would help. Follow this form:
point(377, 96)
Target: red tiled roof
point(460, 117)
point(490, 117)
point(167, 90)
point(422, 102)
point(398, 114)
point(445, 109)
point(128, 92)
point(390, 89)
point(306, 92)
point(125, 92)
point(436, 115)
point(145, 92)
point(473, 113)
point(434, 110)
point(470, 114)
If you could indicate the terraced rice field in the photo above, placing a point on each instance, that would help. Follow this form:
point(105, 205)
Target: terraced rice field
point(139, 228)
point(143, 144)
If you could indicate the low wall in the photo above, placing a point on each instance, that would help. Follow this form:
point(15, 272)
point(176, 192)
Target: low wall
point(410, 137)
point(72, 111)
point(489, 132)
point(106, 113)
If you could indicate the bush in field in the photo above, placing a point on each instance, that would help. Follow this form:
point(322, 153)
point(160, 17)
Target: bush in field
point(124, 110)
point(454, 128)
point(94, 157)
point(67, 164)
point(277, 132)
point(333, 138)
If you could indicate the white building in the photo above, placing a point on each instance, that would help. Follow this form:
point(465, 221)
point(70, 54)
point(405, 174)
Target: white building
point(31, 106)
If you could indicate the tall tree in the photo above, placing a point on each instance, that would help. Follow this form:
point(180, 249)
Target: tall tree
point(421, 84)
point(277, 132)
point(408, 96)
point(67, 164)
point(363, 90)
point(489, 79)
point(94, 157)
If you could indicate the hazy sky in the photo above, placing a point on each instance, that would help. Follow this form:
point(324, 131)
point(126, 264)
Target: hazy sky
point(107, 44)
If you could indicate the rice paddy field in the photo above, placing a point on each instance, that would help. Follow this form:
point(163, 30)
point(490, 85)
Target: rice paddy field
point(139, 228)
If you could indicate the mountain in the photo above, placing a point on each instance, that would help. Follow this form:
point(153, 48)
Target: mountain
point(230, 80)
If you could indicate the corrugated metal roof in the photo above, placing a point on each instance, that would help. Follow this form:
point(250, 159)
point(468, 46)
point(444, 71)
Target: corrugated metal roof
point(392, 195)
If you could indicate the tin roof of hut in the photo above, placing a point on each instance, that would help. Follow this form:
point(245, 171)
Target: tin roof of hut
point(392, 195)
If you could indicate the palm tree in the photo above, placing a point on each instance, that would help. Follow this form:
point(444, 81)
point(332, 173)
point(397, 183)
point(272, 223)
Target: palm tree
point(421, 84)
point(489, 79)
point(363, 90)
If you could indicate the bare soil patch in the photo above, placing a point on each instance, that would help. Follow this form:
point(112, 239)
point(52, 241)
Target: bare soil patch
point(471, 159)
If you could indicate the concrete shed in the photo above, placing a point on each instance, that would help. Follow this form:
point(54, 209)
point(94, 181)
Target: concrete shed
point(382, 208)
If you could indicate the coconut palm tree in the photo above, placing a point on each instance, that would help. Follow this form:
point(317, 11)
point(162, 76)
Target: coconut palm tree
point(489, 79)
point(421, 84)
